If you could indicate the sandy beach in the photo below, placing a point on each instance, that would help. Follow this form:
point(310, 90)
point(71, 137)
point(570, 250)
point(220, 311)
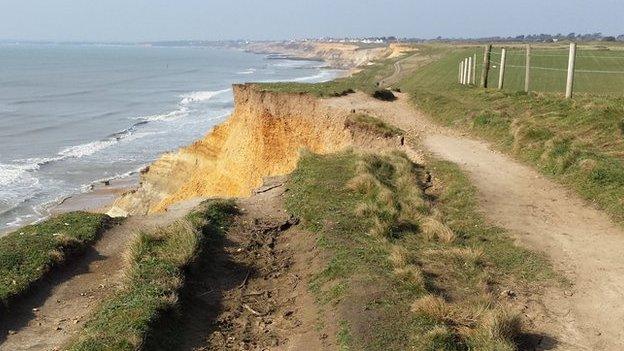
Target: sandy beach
point(99, 198)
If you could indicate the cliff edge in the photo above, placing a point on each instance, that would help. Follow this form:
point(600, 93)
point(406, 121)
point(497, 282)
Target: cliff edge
point(263, 137)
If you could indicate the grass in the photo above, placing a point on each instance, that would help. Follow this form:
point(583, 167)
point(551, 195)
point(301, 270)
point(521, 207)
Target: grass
point(578, 142)
point(155, 273)
point(406, 269)
point(374, 125)
point(365, 80)
point(29, 253)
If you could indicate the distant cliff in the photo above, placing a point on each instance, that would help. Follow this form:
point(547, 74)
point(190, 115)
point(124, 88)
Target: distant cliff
point(336, 55)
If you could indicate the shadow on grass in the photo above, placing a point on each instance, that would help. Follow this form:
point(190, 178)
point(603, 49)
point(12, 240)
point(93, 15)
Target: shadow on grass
point(533, 341)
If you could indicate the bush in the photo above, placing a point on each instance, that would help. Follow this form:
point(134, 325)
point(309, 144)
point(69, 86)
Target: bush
point(384, 95)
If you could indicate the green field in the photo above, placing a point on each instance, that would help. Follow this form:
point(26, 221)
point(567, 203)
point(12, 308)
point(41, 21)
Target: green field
point(579, 142)
point(549, 68)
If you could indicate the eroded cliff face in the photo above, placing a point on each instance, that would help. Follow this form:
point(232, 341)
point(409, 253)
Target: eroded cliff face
point(263, 137)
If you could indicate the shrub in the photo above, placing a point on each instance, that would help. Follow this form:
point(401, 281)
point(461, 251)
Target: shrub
point(384, 95)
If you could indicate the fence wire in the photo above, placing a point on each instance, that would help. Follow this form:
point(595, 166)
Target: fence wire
point(600, 72)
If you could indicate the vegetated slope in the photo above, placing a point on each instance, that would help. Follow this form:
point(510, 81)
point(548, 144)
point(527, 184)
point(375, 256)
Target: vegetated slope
point(408, 268)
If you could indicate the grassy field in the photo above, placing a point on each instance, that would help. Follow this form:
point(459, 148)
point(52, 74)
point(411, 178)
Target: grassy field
point(29, 253)
point(550, 68)
point(428, 272)
point(578, 142)
point(154, 275)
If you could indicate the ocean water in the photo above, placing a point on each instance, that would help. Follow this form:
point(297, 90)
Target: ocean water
point(73, 115)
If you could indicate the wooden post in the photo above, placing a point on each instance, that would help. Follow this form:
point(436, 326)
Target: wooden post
point(486, 65)
point(474, 69)
point(501, 76)
point(461, 73)
point(464, 71)
point(527, 73)
point(469, 75)
point(459, 77)
point(571, 62)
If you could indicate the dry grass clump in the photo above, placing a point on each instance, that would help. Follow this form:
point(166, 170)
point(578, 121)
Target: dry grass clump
point(396, 200)
point(433, 229)
point(469, 256)
point(477, 325)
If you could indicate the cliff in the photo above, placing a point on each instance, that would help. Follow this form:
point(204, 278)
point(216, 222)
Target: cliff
point(263, 137)
point(336, 55)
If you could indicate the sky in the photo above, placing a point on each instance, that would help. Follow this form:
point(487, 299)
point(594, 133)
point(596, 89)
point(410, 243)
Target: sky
point(150, 20)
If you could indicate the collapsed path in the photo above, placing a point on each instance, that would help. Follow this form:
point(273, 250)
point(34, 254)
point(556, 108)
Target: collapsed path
point(249, 290)
point(580, 240)
point(57, 308)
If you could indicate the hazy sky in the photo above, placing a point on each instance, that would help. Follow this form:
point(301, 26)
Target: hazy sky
point(141, 20)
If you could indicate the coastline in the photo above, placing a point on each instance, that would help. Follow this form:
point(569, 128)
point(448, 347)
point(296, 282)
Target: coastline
point(99, 197)
point(102, 193)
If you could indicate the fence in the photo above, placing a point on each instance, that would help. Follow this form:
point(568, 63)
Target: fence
point(546, 69)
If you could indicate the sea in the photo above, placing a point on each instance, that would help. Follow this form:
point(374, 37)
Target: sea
point(75, 115)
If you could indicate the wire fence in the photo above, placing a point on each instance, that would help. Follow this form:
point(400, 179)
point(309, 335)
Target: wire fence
point(593, 71)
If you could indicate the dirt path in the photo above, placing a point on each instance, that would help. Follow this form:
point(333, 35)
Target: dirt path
point(581, 241)
point(250, 290)
point(56, 310)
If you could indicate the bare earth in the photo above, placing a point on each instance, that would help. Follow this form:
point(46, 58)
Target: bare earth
point(581, 241)
point(250, 290)
point(57, 309)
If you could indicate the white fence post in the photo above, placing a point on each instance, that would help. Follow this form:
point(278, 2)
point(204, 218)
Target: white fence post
point(461, 72)
point(571, 62)
point(501, 76)
point(459, 76)
point(474, 69)
point(469, 70)
point(465, 71)
point(527, 73)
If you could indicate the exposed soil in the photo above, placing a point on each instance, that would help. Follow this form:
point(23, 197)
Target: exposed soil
point(580, 240)
point(57, 307)
point(250, 289)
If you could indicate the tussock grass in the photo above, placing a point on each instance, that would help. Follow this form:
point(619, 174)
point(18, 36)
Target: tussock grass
point(435, 264)
point(156, 261)
point(372, 125)
point(29, 253)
